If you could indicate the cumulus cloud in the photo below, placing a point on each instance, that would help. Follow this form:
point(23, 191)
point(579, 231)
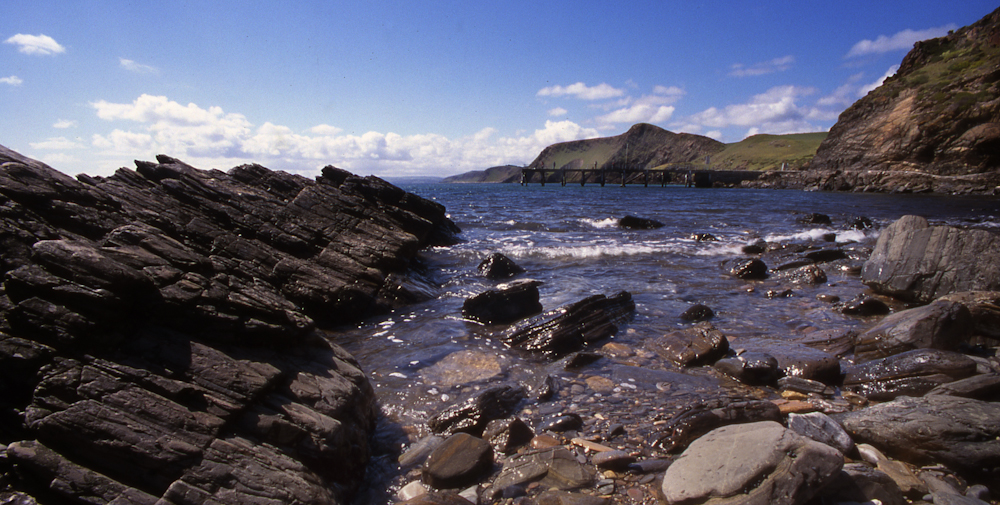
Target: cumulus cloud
point(654, 108)
point(865, 89)
point(211, 137)
point(56, 143)
point(138, 68)
point(775, 111)
point(64, 123)
point(558, 111)
point(582, 91)
point(12, 80)
point(844, 95)
point(762, 68)
point(903, 40)
point(35, 44)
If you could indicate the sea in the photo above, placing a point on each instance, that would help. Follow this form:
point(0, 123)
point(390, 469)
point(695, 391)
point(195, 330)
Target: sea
point(425, 357)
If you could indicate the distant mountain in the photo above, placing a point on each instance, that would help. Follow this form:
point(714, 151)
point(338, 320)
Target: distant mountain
point(769, 152)
point(505, 173)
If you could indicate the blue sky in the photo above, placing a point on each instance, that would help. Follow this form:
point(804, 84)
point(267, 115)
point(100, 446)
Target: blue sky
point(429, 88)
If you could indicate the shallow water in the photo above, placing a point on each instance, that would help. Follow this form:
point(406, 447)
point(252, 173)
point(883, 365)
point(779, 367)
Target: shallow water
point(424, 357)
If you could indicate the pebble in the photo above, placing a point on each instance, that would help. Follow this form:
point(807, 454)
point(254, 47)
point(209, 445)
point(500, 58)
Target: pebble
point(612, 459)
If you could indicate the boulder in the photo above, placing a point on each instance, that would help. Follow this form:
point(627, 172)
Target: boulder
point(918, 262)
point(752, 368)
point(697, 345)
point(960, 433)
point(911, 373)
point(157, 327)
point(567, 329)
point(639, 223)
point(498, 266)
point(823, 429)
point(752, 269)
point(699, 419)
point(984, 307)
point(459, 461)
point(940, 325)
point(505, 304)
point(752, 463)
point(474, 413)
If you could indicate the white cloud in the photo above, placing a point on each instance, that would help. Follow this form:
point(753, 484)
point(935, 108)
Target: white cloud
point(64, 123)
point(638, 113)
point(903, 40)
point(762, 68)
point(774, 111)
point(12, 80)
point(558, 111)
point(864, 90)
point(138, 68)
point(56, 143)
point(325, 130)
point(35, 44)
point(582, 91)
point(844, 95)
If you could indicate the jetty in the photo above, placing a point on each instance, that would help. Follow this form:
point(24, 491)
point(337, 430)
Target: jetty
point(686, 175)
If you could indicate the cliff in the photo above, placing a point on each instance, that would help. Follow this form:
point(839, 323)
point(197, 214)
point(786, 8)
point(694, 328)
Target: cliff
point(158, 329)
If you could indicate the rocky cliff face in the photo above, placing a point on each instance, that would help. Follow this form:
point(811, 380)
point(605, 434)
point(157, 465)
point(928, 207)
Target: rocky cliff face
point(158, 329)
point(937, 118)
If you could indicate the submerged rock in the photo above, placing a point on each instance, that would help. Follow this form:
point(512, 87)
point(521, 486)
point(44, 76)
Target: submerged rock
point(693, 346)
point(569, 328)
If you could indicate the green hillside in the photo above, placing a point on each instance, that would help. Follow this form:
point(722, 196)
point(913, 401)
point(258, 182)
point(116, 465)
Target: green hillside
point(768, 152)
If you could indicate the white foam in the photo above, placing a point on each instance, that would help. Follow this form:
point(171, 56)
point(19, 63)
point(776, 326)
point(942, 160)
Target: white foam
point(600, 223)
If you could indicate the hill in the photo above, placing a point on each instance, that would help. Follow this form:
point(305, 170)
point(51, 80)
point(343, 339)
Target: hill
point(769, 152)
point(505, 173)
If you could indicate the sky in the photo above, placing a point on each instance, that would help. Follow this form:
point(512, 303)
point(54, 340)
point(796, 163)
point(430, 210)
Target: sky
point(398, 89)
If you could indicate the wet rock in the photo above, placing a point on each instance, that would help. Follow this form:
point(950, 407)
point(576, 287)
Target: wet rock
point(985, 387)
point(940, 325)
point(473, 414)
point(497, 266)
point(569, 328)
point(804, 386)
point(821, 428)
point(612, 459)
point(751, 463)
point(697, 313)
point(559, 423)
point(649, 466)
point(826, 255)
point(897, 471)
point(506, 435)
point(554, 467)
point(835, 342)
point(505, 304)
point(865, 306)
point(775, 293)
point(918, 262)
point(752, 368)
point(702, 418)
point(692, 346)
point(459, 461)
point(463, 367)
point(757, 247)
point(753, 269)
point(639, 223)
point(984, 307)
point(859, 483)
point(579, 360)
point(861, 223)
point(809, 274)
point(418, 452)
point(411, 490)
point(804, 362)
point(704, 237)
point(959, 433)
point(911, 373)
point(815, 218)
point(827, 298)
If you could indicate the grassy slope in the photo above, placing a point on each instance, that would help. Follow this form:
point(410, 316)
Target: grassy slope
point(768, 152)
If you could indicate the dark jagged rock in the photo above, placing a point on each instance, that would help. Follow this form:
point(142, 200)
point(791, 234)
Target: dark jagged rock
point(506, 435)
point(569, 328)
point(497, 266)
point(459, 461)
point(753, 368)
point(815, 218)
point(750, 269)
point(693, 346)
point(911, 373)
point(472, 415)
point(697, 313)
point(961, 433)
point(915, 261)
point(702, 418)
point(940, 325)
point(505, 304)
point(157, 328)
point(639, 223)
point(808, 274)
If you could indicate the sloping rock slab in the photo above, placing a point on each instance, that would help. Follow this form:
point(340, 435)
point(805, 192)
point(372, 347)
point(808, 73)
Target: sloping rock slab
point(505, 304)
point(960, 433)
point(940, 325)
point(749, 464)
point(912, 373)
point(569, 328)
point(915, 261)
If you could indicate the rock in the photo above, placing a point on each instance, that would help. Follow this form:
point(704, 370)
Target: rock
point(463, 367)
point(473, 414)
point(802, 361)
point(809, 274)
point(751, 463)
point(757, 247)
point(497, 266)
point(558, 423)
point(860, 483)
point(752, 368)
point(704, 237)
point(564, 498)
point(418, 452)
point(804, 386)
point(815, 218)
point(940, 325)
point(459, 461)
point(826, 255)
point(897, 471)
point(835, 342)
point(699, 344)
point(505, 304)
point(821, 428)
point(569, 328)
point(984, 307)
point(554, 467)
point(985, 387)
point(612, 459)
point(698, 420)
point(437, 498)
point(911, 373)
point(865, 306)
point(412, 490)
point(753, 269)
point(508, 434)
point(918, 262)
point(959, 433)
point(697, 313)
point(639, 223)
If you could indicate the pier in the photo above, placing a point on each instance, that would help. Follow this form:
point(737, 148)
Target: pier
point(685, 175)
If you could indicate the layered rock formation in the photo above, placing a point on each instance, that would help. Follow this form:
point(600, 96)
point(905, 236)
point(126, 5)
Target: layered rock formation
point(158, 329)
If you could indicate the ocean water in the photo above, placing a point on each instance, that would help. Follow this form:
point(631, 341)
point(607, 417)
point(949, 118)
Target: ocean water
point(568, 238)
